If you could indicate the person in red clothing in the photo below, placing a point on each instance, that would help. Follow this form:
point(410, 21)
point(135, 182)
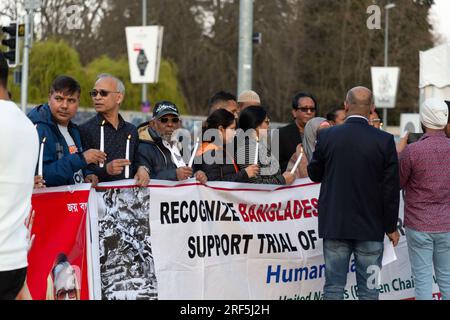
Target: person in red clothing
point(425, 178)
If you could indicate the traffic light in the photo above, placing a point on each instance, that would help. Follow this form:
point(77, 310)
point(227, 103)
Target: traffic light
point(12, 42)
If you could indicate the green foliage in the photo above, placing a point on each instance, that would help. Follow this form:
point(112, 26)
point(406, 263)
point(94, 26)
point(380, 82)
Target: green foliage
point(51, 58)
point(166, 89)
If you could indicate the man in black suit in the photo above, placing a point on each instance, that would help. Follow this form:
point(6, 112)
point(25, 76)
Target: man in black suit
point(359, 196)
point(304, 108)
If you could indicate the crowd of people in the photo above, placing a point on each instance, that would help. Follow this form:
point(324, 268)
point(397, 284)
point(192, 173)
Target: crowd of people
point(360, 168)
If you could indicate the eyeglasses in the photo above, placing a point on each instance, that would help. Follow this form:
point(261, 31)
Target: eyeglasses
point(173, 120)
point(102, 92)
point(302, 109)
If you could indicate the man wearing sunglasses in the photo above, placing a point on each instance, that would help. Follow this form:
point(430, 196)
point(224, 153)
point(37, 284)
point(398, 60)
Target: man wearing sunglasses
point(107, 96)
point(157, 149)
point(304, 108)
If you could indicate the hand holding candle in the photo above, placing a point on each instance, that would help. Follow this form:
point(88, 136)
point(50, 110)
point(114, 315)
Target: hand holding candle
point(298, 161)
point(191, 161)
point(102, 141)
point(256, 151)
point(41, 158)
point(127, 156)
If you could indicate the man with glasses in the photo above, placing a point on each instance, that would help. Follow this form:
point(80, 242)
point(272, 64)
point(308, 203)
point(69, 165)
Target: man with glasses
point(107, 95)
point(304, 108)
point(159, 151)
point(64, 159)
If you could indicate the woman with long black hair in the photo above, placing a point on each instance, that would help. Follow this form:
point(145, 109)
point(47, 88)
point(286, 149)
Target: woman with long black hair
point(217, 150)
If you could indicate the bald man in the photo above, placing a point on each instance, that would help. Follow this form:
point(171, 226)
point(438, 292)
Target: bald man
point(359, 196)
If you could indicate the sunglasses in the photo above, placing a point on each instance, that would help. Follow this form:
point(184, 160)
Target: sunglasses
point(102, 92)
point(173, 120)
point(307, 109)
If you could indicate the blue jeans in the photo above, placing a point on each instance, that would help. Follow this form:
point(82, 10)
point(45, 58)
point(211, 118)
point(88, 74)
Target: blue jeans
point(368, 256)
point(425, 250)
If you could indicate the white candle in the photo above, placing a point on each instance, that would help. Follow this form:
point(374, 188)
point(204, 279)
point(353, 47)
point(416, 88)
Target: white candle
point(102, 141)
point(297, 162)
point(191, 161)
point(41, 159)
point(256, 151)
point(127, 156)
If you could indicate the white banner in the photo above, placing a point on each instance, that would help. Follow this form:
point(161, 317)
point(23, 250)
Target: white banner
point(384, 85)
point(230, 241)
point(144, 46)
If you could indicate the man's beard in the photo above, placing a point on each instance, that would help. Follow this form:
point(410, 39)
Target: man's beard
point(167, 137)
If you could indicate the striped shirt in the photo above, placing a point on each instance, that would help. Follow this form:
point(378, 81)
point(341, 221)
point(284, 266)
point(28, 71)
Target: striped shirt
point(425, 178)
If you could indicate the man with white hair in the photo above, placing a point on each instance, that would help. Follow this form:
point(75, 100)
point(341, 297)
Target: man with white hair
point(425, 178)
point(107, 95)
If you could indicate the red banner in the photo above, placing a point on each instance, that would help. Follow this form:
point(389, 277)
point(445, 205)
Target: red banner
point(57, 259)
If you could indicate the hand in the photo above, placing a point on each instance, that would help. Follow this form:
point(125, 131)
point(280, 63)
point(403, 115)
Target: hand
point(39, 182)
point(94, 156)
point(289, 177)
point(299, 149)
point(402, 143)
point(184, 173)
point(91, 178)
point(142, 177)
point(29, 224)
point(394, 237)
point(115, 167)
point(201, 177)
point(252, 171)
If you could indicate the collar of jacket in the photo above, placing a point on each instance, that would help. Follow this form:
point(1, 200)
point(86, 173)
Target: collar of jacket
point(357, 119)
point(42, 114)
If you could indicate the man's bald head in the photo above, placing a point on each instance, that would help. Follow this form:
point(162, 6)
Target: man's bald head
point(359, 101)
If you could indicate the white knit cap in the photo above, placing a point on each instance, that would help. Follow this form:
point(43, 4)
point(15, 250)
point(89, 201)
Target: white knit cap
point(434, 113)
point(249, 96)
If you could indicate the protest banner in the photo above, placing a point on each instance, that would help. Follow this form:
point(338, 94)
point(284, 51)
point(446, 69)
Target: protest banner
point(57, 260)
point(221, 241)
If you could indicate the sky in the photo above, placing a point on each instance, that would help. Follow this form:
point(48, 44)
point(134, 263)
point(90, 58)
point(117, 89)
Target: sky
point(440, 18)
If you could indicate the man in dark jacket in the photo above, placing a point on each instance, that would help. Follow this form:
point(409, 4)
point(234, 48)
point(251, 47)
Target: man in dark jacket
point(64, 159)
point(120, 138)
point(304, 108)
point(158, 152)
point(359, 196)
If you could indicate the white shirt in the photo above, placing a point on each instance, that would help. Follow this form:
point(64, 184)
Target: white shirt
point(77, 176)
point(19, 148)
point(357, 116)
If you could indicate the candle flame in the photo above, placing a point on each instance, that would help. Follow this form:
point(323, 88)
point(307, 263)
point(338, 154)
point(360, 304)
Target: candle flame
point(129, 136)
point(45, 139)
point(103, 122)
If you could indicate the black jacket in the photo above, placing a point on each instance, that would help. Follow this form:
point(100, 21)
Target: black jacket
point(155, 156)
point(223, 168)
point(360, 192)
point(289, 139)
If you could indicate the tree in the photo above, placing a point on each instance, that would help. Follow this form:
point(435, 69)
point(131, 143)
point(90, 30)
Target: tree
point(52, 58)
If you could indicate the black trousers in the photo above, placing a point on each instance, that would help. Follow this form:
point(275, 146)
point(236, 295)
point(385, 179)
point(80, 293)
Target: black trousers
point(11, 282)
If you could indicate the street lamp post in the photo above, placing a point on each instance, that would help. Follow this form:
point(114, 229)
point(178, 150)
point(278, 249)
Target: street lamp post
point(386, 48)
point(144, 23)
point(245, 45)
